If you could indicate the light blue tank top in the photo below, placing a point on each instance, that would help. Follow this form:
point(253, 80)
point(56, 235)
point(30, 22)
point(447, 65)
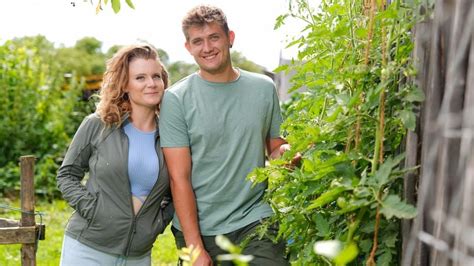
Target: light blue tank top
point(143, 164)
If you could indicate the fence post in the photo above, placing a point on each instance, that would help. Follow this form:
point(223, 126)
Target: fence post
point(27, 194)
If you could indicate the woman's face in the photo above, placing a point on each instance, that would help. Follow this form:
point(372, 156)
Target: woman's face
point(145, 84)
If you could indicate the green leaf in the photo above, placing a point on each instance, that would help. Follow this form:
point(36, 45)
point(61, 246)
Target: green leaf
point(361, 192)
point(385, 259)
point(326, 197)
point(280, 20)
point(385, 173)
point(354, 205)
point(393, 206)
point(381, 177)
point(130, 4)
point(333, 114)
point(361, 33)
point(281, 68)
point(322, 225)
point(116, 5)
point(308, 165)
point(415, 95)
point(365, 245)
point(390, 240)
point(408, 119)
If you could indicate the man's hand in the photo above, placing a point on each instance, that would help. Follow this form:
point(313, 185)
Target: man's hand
point(296, 160)
point(204, 259)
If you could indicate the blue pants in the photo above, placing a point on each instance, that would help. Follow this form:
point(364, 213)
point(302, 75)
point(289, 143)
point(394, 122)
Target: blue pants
point(76, 253)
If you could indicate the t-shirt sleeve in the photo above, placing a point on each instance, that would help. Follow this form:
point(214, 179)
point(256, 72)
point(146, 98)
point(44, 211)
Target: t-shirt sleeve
point(276, 118)
point(173, 128)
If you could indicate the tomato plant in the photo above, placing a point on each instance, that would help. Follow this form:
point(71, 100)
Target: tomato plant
point(354, 63)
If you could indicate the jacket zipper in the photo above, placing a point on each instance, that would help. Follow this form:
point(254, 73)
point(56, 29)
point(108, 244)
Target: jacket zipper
point(132, 231)
point(132, 226)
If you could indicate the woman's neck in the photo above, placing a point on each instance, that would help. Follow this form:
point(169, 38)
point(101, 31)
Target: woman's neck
point(144, 120)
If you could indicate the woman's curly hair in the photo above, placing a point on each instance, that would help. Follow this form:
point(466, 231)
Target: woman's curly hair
point(114, 101)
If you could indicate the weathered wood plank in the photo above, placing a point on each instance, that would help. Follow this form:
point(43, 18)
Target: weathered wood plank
point(9, 223)
point(18, 235)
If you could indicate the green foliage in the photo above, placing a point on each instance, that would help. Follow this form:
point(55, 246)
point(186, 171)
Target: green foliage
point(83, 59)
point(179, 69)
point(115, 4)
point(348, 125)
point(39, 114)
point(240, 61)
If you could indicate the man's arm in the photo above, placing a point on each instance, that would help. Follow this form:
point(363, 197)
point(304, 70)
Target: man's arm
point(178, 161)
point(277, 146)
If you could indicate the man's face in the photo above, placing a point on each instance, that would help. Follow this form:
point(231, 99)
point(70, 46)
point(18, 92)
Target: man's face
point(209, 45)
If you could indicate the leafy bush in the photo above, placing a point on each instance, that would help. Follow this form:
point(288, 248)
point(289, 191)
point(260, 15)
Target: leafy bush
point(39, 113)
point(354, 63)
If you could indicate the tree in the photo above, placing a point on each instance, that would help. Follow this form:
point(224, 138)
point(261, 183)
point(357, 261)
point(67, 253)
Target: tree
point(239, 60)
point(179, 69)
point(85, 58)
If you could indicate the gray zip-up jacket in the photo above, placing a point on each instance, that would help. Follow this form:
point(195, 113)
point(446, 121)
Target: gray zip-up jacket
point(103, 216)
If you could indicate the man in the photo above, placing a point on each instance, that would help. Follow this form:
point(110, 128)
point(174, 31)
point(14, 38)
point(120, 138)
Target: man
point(215, 126)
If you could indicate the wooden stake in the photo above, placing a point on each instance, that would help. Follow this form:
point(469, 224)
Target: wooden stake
point(27, 194)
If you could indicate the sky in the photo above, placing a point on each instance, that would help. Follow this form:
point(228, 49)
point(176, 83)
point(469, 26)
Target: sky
point(158, 22)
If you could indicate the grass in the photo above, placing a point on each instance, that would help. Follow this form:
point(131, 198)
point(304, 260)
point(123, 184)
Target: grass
point(55, 216)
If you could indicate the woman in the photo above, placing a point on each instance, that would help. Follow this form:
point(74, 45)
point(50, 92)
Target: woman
point(124, 204)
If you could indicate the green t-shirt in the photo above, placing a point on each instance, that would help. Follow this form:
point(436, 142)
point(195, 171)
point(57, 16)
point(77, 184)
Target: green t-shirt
point(226, 126)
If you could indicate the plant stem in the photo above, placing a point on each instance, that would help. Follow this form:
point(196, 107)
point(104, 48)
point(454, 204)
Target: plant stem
point(366, 63)
point(371, 259)
point(354, 225)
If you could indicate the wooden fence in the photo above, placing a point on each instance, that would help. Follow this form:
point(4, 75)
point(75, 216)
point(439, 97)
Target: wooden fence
point(25, 231)
point(443, 144)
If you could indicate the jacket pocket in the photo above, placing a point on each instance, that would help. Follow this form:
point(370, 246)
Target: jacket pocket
point(147, 230)
point(94, 210)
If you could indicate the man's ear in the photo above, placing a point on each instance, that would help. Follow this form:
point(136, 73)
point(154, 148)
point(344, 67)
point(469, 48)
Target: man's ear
point(188, 47)
point(231, 38)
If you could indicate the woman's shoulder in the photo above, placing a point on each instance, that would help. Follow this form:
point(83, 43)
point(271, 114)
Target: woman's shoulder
point(92, 122)
point(93, 119)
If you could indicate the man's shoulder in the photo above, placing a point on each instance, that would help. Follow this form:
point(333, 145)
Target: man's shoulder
point(256, 77)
